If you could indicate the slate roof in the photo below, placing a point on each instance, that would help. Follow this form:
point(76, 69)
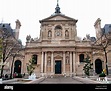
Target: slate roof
point(106, 29)
point(6, 27)
point(93, 39)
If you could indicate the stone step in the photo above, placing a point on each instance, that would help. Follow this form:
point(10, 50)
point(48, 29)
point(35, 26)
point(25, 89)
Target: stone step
point(58, 75)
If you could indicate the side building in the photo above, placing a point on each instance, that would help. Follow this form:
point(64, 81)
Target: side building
point(11, 49)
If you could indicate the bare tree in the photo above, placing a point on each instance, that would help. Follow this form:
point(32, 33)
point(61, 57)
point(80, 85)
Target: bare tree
point(9, 45)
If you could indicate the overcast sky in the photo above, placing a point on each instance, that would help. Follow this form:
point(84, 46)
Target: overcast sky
point(29, 12)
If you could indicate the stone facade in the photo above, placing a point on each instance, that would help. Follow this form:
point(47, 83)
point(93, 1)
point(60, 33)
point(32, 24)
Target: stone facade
point(59, 44)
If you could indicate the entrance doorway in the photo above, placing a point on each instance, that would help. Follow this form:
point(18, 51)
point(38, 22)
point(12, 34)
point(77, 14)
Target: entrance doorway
point(58, 67)
point(17, 66)
point(98, 66)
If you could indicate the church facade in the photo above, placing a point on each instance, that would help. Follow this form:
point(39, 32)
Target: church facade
point(59, 51)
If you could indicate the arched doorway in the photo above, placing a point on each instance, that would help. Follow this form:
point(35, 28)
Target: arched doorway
point(17, 66)
point(98, 66)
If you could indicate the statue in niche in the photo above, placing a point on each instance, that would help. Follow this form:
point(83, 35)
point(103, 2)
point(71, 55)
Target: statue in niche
point(49, 34)
point(66, 33)
point(49, 62)
point(67, 60)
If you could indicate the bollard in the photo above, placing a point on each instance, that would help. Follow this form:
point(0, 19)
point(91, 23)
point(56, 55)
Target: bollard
point(99, 79)
point(105, 79)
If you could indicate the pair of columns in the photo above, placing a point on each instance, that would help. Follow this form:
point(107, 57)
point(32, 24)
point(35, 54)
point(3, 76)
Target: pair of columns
point(44, 63)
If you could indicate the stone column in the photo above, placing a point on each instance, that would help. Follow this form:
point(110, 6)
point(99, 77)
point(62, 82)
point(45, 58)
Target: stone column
point(93, 66)
point(25, 64)
point(64, 63)
point(74, 66)
point(52, 63)
point(70, 63)
point(45, 70)
point(42, 58)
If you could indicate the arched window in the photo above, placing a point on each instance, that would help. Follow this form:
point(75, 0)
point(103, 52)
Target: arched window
point(81, 58)
point(34, 59)
point(58, 27)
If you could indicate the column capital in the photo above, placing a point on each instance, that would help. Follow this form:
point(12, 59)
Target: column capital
point(42, 52)
point(52, 51)
point(45, 51)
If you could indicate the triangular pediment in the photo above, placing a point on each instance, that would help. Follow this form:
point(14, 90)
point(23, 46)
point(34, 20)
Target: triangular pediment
point(58, 57)
point(58, 17)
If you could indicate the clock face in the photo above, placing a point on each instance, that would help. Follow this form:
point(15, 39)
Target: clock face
point(58, 32)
